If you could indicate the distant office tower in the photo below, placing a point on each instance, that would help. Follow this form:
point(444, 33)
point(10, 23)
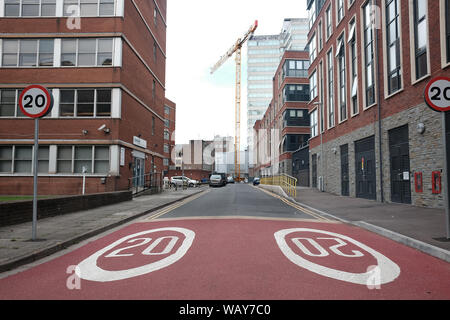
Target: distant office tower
point(263, 56)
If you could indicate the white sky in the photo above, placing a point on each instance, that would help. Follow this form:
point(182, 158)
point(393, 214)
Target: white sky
point(199, 32)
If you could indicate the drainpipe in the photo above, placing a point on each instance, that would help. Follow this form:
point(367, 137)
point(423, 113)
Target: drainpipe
point(380, 150)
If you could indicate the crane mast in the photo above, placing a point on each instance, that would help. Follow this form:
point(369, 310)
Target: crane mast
point(237, 48)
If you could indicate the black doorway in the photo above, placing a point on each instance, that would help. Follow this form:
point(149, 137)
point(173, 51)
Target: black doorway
point(365, 168)
point(400, 169)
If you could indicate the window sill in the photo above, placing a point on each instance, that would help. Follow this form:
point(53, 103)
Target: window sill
point(342, 121)
point(354, 115)
point(421, 79)
point(369, 107)
point(386, 97)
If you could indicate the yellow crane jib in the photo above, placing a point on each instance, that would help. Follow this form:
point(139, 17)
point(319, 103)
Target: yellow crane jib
point(237, 48)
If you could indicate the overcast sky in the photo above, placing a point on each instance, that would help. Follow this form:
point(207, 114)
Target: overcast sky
point(199, 32)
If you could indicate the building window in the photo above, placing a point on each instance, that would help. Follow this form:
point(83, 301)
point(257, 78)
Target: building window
point(340, 10)
point(30, 8)
point(328, 21)
point(7, 103)
point(312, 15)
point(368, 56)
point(312, 49)
point(447, 28)
point(420, 37)
point(166, 110)
point(86, 52)
point(27, 52)
point(166, 148)
point(153, 126)
point(167, 123)
point(330, 78)
point(89, 8)
point(314, 124)
point(19, 159)
point(83, 159)
point(340, 54)
point(154, 51)
point(295, 68)
point(154, 89)
point(313, 86)
point(85, 103)
point(165, 162)
point(320, 37)
point(354, 68)
point(166, 134)
point(393, 45)
point(155, 16)
point(295, 92)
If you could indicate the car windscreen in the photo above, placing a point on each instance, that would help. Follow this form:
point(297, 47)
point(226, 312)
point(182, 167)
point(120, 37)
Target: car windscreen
point(216, 177)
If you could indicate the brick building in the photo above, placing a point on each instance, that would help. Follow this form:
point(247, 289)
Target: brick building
point(106, 71)
point(370, 62)
point(169, 135)
point(285, 126)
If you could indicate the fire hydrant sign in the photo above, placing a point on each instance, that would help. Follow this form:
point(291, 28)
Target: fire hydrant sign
point(35, 101)
point(437, 94)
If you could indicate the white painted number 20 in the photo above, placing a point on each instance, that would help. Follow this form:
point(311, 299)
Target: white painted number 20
point(322, 251)
point(149, 251)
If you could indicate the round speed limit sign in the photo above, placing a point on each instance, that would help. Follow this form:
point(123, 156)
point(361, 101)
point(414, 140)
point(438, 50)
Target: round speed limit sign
point(437, 94)
point(35, 101)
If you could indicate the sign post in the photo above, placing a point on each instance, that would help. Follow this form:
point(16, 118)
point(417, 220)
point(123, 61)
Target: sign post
point(35, 102)
point(437, 97)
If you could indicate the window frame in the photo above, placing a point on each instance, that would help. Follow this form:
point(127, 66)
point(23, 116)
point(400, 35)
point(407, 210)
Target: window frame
point(93, 159)
point(329, 21)
point(14, 159)
point(97, 53)
point(352, 42)
point(341, 65)
point(20, 5)
point(99, 3)
point(95, 103)
point(340, 5)
point(38, 54)
point(413, 41)
point(331, 102)
point(365, 44)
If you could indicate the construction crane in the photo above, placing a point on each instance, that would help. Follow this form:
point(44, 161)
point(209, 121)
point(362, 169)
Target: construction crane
point(237, 126)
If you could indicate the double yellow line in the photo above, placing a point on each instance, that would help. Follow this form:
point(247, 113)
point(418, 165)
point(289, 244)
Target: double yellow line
point(296, 206)
point(174, 206)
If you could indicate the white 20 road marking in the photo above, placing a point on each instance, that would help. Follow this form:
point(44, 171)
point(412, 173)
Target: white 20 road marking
point(88, 269)
point(389, 270)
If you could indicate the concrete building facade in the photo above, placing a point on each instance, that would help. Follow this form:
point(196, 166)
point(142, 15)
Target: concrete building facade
point(370, 62)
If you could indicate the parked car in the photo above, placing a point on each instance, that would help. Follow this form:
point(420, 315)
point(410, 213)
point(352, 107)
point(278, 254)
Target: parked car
point(256, 181)
point(230, 180)
point(216, 180)
point(178, 181)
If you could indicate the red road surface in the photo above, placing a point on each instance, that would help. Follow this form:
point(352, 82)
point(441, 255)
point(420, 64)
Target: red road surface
point(235, 259)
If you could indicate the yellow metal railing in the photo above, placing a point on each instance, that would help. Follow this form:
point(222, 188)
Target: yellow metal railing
point(286, 182)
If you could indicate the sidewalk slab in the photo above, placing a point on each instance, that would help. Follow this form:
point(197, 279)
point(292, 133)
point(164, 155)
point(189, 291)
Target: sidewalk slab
point(59, 232)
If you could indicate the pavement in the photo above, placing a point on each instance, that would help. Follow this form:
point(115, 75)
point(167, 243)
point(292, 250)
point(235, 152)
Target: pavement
point(421, 228)
point(59, 232)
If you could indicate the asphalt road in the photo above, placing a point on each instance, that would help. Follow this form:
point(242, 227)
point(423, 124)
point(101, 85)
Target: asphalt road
point(235, 242)
point(237, 200)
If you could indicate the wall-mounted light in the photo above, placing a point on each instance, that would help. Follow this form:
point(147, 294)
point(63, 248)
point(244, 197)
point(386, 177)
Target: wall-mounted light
point(420, 128)
point(84, 131)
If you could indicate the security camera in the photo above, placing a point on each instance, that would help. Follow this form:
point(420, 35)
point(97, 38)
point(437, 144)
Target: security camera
point(103, 126)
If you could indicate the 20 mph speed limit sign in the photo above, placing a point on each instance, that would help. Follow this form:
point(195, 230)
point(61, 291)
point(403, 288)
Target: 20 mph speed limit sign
point(35, 101)
point(437, 94)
